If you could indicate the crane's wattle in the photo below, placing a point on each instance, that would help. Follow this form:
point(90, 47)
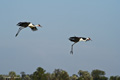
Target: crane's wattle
point(39, 25)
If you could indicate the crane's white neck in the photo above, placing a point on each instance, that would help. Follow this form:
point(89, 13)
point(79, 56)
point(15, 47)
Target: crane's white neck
point(86, 39)
point(37, 25)
point(34, 25)
point(82, 39)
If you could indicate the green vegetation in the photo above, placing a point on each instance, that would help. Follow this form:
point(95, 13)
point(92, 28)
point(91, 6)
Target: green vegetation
point(58, 74)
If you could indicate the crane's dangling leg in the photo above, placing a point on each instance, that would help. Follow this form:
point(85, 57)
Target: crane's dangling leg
point(18, 31)
point(71, 52)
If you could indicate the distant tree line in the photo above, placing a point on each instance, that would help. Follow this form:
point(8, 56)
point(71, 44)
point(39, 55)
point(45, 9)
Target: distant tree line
point(59, 74)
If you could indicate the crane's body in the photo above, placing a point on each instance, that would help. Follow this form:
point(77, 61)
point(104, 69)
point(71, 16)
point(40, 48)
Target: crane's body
point(27, 24)
point(77, 39)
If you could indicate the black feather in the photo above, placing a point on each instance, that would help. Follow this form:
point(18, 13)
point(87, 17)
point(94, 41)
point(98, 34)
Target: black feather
point(74, 39)
point(34, 29)
point(23, 24)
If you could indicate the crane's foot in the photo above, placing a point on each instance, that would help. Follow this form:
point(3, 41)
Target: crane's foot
point(71, 52)
point(16, 35)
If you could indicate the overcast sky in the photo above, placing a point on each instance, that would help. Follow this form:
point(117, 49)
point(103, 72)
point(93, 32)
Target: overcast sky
point(49, 47)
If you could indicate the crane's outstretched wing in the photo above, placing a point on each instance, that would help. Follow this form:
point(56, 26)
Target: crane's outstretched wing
point(23, 24)
point(33, 28)
point(19, 31)
point(74, 39)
